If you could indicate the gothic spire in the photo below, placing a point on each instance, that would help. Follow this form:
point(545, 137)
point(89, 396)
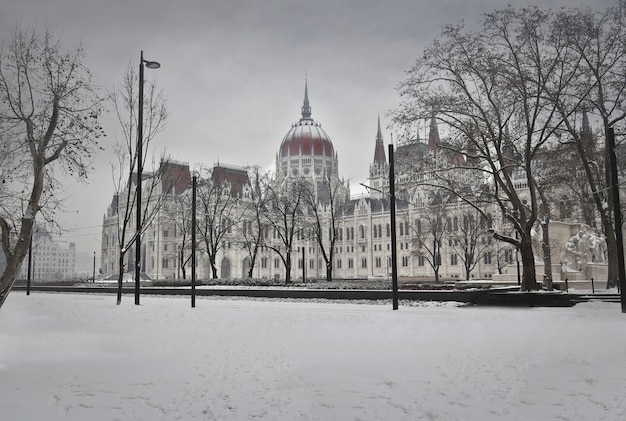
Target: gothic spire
point(433, 135)
point(379, 152)
point(585, 125)
point(586, 136)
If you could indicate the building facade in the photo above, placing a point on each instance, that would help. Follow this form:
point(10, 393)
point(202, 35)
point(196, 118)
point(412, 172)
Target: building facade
point(432, 228)
point(50, 260)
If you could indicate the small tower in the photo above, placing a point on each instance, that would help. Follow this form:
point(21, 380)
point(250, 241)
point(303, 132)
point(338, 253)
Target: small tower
point(379, 169)
point(586, 135)
point(433, 135)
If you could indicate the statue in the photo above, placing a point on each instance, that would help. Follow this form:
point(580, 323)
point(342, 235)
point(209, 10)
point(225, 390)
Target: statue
point(600, 249)
point(570, 256)
point(584, 246)
point(587, 246)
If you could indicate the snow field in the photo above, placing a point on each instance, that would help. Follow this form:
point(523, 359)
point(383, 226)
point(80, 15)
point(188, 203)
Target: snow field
point(78, 357)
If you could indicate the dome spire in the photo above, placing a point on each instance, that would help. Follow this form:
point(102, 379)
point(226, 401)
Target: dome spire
point(306, 108)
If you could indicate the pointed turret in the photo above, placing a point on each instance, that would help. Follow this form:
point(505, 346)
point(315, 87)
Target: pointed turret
point(586, 127)
point(379, 169)
point(379, 151)
point(306, 108)
point(586, 136)
point(433, 135)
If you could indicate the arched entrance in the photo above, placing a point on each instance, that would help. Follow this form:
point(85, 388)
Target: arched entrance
point(245, 267)
point(225, 268)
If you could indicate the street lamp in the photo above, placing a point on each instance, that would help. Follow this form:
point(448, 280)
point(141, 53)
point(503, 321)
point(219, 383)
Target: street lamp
point(149, 65)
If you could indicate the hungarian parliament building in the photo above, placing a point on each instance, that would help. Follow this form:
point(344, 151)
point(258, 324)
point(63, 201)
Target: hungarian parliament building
point(362, 243)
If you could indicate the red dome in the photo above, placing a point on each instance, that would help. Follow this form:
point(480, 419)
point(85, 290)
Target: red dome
point(306, 138)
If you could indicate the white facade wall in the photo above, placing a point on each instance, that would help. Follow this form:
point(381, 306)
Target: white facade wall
point(50, 260)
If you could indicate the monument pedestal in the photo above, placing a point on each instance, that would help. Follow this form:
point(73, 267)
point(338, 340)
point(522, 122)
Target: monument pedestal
point(574, 276)
point(540, 272)
point(597, 271)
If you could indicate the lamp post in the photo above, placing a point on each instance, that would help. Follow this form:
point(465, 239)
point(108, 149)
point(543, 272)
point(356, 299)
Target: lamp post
point(149, 65)
point(193, 240)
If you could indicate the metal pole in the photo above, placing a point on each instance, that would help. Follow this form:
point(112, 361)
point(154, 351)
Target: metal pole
point(139, 176)
point(519, 279)
point(94, 267)
point(30, 266)
point(392, 207)
point(617, 215)
point(193, 241)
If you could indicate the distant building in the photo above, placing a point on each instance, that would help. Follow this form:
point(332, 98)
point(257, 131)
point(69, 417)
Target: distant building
point(50, 260)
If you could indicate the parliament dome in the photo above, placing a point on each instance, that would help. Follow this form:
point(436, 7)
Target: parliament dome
point(306, 150)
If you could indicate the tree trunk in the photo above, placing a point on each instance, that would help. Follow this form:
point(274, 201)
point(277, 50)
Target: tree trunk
point(8, 279)
point(120, 277)
point(252, 262)
point(14, 261)
point(529, 279)
point(213, 268)
point(288, 268)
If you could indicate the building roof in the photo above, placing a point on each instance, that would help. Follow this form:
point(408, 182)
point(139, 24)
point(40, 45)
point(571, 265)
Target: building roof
point(175, 177)
point(236, 177)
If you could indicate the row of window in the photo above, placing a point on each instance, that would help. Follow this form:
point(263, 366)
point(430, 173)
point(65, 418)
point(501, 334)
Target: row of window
point(378, 262)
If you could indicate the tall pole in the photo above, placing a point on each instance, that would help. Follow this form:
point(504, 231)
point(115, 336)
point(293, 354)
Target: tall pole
point(30, 265)
point(617, 215)
point(139, 176)
point(392, 208)
point(193, 242)
point(94, 267)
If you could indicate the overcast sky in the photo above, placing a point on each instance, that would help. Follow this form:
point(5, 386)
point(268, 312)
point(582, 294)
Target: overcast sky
point(233, 72)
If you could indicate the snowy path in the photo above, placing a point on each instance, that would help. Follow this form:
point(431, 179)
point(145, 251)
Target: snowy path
point(81, 357)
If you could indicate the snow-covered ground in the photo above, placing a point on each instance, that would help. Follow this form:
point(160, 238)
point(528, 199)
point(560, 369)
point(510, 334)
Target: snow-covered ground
point(81, 357)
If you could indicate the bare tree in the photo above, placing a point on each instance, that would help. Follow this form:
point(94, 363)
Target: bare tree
point(124, 169)
point(255, 208)
point(181, 216)
point(490, 90)
point(49, 125)
point(597, 41)
point(285, 215)
point(429, 233)
point(471, 240)
point(218, 214)
point(326, 201)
